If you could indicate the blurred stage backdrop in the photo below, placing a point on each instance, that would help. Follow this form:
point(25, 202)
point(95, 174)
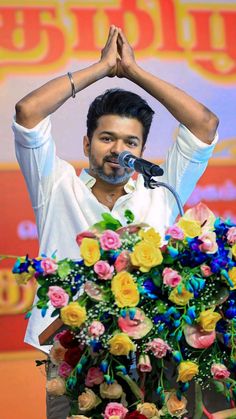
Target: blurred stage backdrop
point(189, 43)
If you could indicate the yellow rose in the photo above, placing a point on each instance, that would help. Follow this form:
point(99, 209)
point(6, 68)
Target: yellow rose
point(190, 228)
point(232, 275)
point(186, 371)
point(89, 250)
point(56, 386)
point(146, 256)
point(78, 417)
point(88, 400)
point(125, 290)
point(233, 250)
point(148, 409)
point(73, 314)
point(121, 344)
point(181, 299)
point(24, 277)
point(151, 236)
point(110, 391)
point(175, 406)
point(208, 320)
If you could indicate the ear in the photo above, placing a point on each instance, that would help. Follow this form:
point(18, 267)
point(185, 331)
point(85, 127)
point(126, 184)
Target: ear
point(86, 145)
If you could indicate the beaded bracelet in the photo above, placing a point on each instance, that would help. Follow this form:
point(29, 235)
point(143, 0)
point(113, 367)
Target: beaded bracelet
point(73, 92)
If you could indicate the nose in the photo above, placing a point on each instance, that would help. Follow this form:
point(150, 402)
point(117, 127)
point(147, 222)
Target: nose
point(117, 147)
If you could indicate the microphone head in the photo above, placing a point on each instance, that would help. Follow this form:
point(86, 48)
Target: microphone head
point(123, 157)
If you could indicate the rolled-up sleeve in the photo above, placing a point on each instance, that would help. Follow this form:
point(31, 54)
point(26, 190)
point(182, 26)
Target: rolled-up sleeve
point(186, 161)
point(36, 155)
point(192, 148)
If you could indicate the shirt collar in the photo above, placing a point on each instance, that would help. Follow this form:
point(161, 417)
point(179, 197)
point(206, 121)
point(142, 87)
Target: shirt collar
point(90, 181)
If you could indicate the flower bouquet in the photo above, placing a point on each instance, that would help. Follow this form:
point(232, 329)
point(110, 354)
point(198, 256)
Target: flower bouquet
point(143, 317)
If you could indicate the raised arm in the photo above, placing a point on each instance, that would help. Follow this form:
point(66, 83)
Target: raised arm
point(48, 98)
point(188, 111)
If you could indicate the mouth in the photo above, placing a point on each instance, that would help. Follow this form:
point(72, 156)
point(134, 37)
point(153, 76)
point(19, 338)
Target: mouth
point(112, 161)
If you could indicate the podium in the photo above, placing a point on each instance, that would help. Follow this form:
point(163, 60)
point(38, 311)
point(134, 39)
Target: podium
point(46, 337)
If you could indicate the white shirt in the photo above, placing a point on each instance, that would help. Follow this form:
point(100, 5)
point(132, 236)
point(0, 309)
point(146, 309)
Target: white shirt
point(64, 204)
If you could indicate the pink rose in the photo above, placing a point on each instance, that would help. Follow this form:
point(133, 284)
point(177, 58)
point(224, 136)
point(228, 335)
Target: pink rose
point(122, 262)
point(158, 347)
point(81, 236)
point(231, 235)
point(144, 364)
point(96, 328)
point(103, 269)
point(94, 377)
point(64, 370)
point(48, 265)
point(58, 297)
point(110, 240)
point(206, 270)
point(175, 232)
point(198, 338)
point(209, 244)
point(219, 371)
point(171, 277)
point(115, 409)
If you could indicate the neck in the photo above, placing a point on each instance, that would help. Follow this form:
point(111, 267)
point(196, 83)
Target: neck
point(107, 193)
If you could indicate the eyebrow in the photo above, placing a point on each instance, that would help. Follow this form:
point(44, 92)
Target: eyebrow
point(128, 137)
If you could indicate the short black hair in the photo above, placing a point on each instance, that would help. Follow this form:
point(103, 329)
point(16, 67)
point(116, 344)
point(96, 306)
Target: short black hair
point(123, 103)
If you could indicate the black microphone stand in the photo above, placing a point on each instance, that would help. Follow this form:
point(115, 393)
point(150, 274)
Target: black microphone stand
point(152, 184)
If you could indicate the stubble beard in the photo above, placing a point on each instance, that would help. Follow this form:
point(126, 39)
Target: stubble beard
point(114, 178)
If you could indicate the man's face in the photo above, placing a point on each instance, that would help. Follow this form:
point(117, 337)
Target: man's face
point(113, 135)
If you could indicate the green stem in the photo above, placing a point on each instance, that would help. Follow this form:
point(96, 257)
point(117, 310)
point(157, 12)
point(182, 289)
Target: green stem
point(198, 402)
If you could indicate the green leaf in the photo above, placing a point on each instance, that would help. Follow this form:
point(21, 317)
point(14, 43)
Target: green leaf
point(129, 216)
point(55, 312)
point(63, 269)
point(41, 304)
point(219, 387)
point(108, 223)
point(42, 292)
point(133, 386)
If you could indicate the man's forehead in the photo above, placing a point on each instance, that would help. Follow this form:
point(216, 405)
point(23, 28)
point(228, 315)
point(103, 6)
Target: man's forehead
point(120, 124)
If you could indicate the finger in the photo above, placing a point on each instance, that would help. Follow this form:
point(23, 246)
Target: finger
point(123, 38)
point(119, 44)
point(110, 34)
point(114, 36)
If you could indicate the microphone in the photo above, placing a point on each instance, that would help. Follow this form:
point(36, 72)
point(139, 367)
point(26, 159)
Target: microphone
point(146, 168)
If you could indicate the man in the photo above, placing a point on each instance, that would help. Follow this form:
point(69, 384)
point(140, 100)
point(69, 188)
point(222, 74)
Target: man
point(65, 204)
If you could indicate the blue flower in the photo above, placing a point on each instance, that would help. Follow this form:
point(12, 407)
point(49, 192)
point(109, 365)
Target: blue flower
point(231, 312)
point(177, 356)
point(104, 366)
point(37, 266)
point(172, 251)
point(150, 289)
point(96, 345)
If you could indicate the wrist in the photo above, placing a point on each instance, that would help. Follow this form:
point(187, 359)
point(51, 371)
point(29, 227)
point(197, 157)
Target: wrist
point(132, 71)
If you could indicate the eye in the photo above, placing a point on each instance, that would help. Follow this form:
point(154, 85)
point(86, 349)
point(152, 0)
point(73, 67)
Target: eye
point(106, 139)
point(132, 142)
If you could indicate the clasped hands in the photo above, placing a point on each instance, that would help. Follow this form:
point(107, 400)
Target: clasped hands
point(117, 54)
